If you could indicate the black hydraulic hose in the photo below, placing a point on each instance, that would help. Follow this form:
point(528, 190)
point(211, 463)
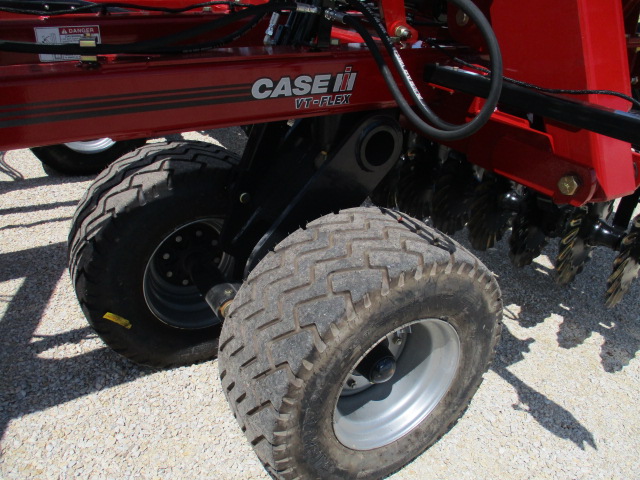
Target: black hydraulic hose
point(217, 43)
point(426, 129)
point(75, 7)
point(483, 25)
point(405, 108)
point(444, 131)
point(149, 46)
point(149, 8)
point(558, 91)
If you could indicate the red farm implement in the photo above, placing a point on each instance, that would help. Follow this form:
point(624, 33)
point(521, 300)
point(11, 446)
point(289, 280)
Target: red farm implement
point(350, 337)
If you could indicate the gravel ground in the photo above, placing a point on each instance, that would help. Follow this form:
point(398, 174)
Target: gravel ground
point(559, 401)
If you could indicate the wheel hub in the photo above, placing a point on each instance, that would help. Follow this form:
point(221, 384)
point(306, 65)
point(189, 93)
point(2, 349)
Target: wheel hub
point(168, 286)
point(379, 365)
point(176, 253)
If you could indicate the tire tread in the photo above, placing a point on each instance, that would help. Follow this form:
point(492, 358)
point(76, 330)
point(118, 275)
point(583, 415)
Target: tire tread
point(129, 183)
point(408, 247)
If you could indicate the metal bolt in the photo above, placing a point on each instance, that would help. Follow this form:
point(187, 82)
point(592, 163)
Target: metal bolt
point(351, 383)
point(166, 256)
point(635, 80)
point(178, 239)
point(402, 32)
point(169, 274)
point(198, 233)
point(185, 282)
point(224, 309)
point(245, 198)
point(568, 185)
point(462, 19)
point(397, 340)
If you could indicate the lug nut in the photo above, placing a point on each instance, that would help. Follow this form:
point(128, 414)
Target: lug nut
point(166, 256)
point(178, 239)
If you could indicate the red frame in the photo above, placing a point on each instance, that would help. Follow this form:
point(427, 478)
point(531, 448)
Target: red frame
point(138, 96)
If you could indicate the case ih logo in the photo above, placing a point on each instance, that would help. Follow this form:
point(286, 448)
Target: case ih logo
point(325, 84)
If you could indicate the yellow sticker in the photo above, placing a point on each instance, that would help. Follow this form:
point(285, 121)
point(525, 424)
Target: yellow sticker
point(117, 319)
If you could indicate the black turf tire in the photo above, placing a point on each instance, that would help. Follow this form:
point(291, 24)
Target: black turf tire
point(317, 304)
point(63, 159)
point(124, 216)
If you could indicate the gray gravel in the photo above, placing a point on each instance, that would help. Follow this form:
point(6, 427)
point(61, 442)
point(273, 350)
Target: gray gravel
point(560, 400)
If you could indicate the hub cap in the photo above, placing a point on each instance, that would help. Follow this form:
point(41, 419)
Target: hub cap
point(91, 146)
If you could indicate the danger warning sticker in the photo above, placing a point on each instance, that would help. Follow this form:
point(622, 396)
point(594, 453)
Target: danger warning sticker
point(64, 35)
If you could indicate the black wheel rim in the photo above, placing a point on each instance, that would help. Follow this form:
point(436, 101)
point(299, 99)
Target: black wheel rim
point(168, 288)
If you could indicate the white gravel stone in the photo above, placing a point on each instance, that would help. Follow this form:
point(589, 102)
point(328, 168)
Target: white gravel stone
point(559, 402)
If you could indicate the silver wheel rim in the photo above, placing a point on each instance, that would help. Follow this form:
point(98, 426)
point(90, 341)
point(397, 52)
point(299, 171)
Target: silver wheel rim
point(91, 146)
point(168, 289)
point(427, 358)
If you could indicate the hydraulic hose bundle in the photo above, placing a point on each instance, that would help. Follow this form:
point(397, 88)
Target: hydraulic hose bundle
point(442, 131)
point(166, 44)
point(420, 115)
point(433, 126)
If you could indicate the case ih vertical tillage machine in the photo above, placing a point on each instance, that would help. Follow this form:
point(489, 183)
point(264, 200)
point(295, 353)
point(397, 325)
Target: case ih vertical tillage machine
point(350, 338)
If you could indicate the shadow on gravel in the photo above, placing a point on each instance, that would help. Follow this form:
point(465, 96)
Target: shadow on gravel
point(37, 208)
point(35, 224)
point(30, 382)
point(19, 184)
point(581, 304)
point(581, 307)
point(8, 170)
point(546, 412)
point(41, 371)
